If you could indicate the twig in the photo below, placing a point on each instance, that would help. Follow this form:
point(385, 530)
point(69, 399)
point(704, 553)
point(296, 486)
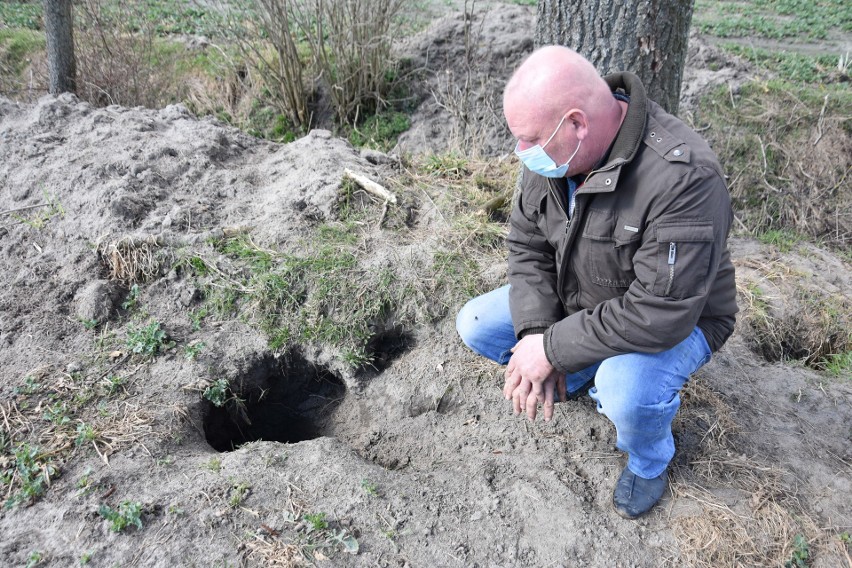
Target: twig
point(370, 186)
point(821, 120)
point(43, 455)
point(743, 225)
point(384, 213)
point(24, 208)
point(103, 457)
point(6, 417)
point(766, 167)
point(111, 369)
point(846, 552)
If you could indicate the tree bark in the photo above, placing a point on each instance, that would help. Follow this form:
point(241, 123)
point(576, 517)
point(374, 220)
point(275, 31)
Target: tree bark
point(646, 37)
point(61, 63)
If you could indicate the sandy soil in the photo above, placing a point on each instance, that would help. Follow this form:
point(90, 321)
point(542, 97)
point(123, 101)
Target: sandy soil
point(421, 462)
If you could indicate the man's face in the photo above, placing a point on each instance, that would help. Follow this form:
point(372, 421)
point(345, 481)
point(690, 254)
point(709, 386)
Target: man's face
point(531, 128)
point(522, 145)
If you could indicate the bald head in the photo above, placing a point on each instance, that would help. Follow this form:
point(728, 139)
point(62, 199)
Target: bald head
point(551, 82)
point(555, 78)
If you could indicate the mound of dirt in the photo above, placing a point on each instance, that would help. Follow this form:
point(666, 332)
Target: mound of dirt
point(416, 463)
point(466, 59)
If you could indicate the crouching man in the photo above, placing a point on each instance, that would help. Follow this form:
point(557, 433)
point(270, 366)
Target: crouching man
point(620, 281)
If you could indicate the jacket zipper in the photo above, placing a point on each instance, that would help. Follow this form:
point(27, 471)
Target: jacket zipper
point(672, 258)
point(561, 271)
point(561, 207)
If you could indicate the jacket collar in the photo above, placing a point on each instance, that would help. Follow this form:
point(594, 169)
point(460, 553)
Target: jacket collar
point(633, 127)
point(604, 179)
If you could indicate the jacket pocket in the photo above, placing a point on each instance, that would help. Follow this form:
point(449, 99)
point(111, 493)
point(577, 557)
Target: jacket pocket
point(684, 250)
point(609, 243)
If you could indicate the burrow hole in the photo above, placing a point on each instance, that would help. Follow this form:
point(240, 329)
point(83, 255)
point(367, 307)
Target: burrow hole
point(285, 399)
point(387, 344)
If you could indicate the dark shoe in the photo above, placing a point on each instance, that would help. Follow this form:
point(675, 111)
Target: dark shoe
point(635, 496)
point(577, 394)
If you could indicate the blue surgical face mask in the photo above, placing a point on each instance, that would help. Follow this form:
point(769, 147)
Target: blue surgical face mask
point(537, 160)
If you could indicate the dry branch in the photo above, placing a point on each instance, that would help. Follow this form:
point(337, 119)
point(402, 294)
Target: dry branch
point(8, 211)
point(370, 186)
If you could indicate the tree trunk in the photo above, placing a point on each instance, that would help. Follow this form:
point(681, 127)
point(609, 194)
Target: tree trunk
point(61, 64)
point(646, 37)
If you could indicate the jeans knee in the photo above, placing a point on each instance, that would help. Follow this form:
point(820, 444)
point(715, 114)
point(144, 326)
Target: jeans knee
point(467, 325)
point(632, 409)
point(617, 408)
point(485, 325)
point(620, 397)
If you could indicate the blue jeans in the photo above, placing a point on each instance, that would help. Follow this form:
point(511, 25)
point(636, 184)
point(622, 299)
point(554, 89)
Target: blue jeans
point(638, 392)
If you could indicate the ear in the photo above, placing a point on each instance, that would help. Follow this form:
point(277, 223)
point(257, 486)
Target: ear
point(579, 121)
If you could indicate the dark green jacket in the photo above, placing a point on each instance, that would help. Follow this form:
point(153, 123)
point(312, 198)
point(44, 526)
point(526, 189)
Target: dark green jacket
point(644, 257)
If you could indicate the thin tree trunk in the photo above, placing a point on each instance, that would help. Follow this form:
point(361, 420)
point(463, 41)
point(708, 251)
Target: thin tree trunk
point(61, 64)
point(646, 37)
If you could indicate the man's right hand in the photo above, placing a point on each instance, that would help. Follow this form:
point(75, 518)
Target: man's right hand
point(526, 395)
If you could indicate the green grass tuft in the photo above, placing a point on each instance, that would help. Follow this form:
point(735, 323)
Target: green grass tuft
point(840, 365)
point(784, 240)
point(147, 341)
point(381, 130)
point(128, 514)
point(28, 475)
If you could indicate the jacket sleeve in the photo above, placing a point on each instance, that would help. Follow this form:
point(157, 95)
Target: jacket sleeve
point(675, 268)
point(533, 301)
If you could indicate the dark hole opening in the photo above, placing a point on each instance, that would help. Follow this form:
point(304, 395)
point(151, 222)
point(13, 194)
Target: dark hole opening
point(281, 400)
point(386, 345)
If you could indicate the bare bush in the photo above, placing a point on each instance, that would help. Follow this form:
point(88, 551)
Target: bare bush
point(306, 49)
point(465, 88)
point(119, 60)
point(454, 93)
point(265, 33)
point(350, 42)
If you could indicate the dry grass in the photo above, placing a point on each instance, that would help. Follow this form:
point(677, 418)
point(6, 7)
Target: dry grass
point(712, 418)
point(730, 509)
point(755, 534)
point(230, 94)
point(121, 426)
point(266, 547)
point(269, 551)
point(461, 207)
point(54, 415)
point(131, 259)
point(788, 151)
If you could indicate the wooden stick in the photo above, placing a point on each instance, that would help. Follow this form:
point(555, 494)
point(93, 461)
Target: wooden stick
point(370, 185)
point(23, 208)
